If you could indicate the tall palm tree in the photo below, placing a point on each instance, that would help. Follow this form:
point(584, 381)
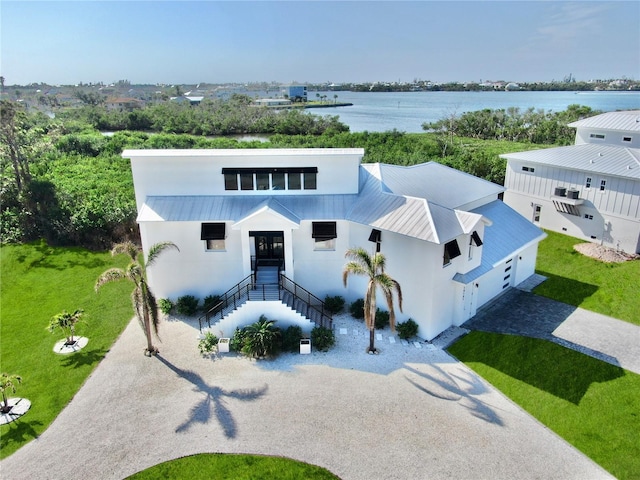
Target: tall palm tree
point(144, 302)
point(372, 266)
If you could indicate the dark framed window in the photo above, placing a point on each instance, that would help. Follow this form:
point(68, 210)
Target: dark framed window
point(324, 230)
point(310, 180)
point(603, 185)
point(451, 251)
point(277, 181)
point(475, 239)
point(246, 181)
point(213, 231)
point(294, 181)
point(230, 181)
point(262, 181)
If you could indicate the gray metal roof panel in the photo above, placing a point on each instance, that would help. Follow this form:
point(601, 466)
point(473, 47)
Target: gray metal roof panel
point(625, 121)
point(587, 157)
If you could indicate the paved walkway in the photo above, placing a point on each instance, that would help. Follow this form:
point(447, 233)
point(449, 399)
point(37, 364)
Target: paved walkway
point(520, 312)
point(408, 413)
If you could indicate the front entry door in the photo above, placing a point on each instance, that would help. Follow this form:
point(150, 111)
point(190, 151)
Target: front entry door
point(269, 247)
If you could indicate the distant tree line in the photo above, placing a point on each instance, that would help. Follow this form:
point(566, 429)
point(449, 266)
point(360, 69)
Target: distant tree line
point(63, 180)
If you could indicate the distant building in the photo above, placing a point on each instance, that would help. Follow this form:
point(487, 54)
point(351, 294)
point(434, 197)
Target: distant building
point(296, 93)
point(590, 190)
point(271, 102)
point(123, 104)
point(190, 100)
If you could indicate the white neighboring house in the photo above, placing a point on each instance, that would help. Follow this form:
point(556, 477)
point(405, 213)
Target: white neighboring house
point(590, 190)
point(449, 241)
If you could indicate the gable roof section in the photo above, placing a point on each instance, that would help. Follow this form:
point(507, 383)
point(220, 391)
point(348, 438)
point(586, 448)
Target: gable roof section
point(626, 121)
point(509, 234)
point(587, 157)
point(273, 207)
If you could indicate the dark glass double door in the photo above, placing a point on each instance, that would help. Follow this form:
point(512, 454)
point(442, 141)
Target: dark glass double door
point(269, 247)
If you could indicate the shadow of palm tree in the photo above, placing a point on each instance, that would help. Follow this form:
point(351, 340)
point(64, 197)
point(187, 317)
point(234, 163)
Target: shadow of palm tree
point(19, 432)
point(463, 389)
point(82, 358)
point(213, 404)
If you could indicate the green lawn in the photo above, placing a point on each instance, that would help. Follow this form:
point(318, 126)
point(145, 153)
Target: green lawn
point(593, 405)
point(38, 282)
point(234, 467)
point(610, 289)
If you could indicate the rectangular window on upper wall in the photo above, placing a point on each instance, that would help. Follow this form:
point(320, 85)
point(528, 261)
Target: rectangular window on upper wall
point(294, 181)
point(324, 235)
point(603, 185)
point(528, 169)
point(597, 136)
point(246, 181)
point(588, 217)
point(277, 181)
point(230, 181)
point(626, 139)
point(262, 181)
point(451, 251)
point(309, 180)
point(587, 183)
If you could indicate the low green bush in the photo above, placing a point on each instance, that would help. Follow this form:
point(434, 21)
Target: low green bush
point(237, 341)
point(210, 301)
point(334, 304)
point(381, 320)
point(357, 309)
point(208, 344)
point(262, 338)
point(291, 337)
point(322, 338)
point(165, 305)
point(187, 305)
point(407, 330)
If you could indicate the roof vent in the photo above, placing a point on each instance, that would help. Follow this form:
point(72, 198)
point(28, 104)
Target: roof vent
point(601, 154)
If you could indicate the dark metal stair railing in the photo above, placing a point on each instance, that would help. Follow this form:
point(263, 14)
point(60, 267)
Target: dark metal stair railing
point(314, 308)
point(235, 296)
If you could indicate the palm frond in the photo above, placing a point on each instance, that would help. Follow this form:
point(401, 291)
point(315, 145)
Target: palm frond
point(129, 248)
point(157, 249)
point(108, 276)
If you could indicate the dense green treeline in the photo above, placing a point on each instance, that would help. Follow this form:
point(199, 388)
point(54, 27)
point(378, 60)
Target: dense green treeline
point(65, 181)
point(234, 116)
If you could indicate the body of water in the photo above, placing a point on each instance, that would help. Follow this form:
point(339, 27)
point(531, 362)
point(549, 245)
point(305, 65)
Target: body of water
point(407, 111)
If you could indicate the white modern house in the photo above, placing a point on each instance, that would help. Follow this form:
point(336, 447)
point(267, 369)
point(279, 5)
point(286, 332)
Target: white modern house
point(589, 190)
point(267, 230)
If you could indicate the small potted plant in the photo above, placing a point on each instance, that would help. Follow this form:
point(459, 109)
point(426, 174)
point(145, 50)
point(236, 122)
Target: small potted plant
point(8, 382)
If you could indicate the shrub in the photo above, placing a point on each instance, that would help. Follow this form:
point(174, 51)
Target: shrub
point(322, 338)
point(407, 329)
point(261, 338)
point(165, 305)
point(334, 304)
point(357, 309)
point(210, 301)
point(381, 320)
point(208, 344)
point(187, 305)
point(291, 338)
point(237, 341)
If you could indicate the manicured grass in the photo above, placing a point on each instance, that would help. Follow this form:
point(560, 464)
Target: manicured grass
point(593, 405)
point(234, 467)
point(607, 288)
point(38, 282)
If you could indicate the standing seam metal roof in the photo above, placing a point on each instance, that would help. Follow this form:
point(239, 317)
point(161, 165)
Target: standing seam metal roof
point(625, 121)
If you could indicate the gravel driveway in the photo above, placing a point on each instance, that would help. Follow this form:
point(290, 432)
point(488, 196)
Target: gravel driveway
point(408, 413)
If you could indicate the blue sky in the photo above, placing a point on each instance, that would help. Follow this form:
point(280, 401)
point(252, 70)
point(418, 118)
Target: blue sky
point(303, 41)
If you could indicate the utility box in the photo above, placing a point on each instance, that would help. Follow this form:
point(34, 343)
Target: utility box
point(223, 345)
point(305, 346)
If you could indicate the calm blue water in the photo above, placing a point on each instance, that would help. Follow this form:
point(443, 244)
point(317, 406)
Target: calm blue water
point(406, 112)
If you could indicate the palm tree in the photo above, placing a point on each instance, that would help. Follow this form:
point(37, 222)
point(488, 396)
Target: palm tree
point(66, 322)
point(372, 266)
point(8, 382)
point(144, 302)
